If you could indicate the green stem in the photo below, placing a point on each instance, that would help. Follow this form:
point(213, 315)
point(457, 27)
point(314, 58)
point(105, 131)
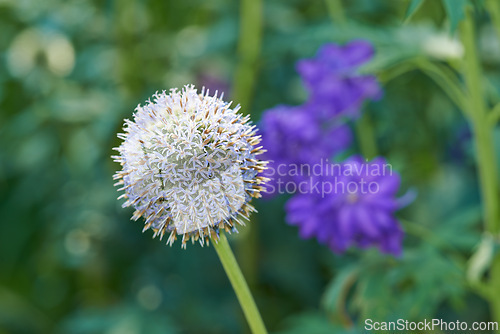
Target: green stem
point(494, 115)
point(440, 74)
point(493, 7)
point(249, 45)
point(336, 11)
point(446, 80)
point(481, 128)
point(363, 126)
point(366, 136)
point(423, 232)
point(239, 285)
point(485, 153)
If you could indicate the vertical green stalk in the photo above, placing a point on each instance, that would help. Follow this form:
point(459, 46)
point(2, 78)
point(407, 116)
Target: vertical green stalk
point(493, 7)
point(239, 285)
point(249, 44)
point(336, 11)
point(485, 153)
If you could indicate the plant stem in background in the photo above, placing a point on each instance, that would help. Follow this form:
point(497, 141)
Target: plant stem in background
point(446, 80)
point(493, 7)
point(336, 11)
point(249, 44)
point(485, 152)
point(239, 285)
point(363, 126)
point(442, 76)
point(366, 136)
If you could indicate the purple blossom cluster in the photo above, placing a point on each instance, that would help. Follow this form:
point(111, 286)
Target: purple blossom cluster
point(331, 78)
point(316, 131)
point(356, 208)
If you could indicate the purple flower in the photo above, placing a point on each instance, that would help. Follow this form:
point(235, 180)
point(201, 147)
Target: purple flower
point(352, 203)
point(213, 83)
point(292, 136)
point(332, 80)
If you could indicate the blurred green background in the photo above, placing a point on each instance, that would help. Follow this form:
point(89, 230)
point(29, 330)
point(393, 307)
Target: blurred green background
point(71, 261)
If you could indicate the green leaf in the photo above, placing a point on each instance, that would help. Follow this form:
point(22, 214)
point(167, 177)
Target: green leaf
point(455, 10)
point(412, 8)
point(417, 279)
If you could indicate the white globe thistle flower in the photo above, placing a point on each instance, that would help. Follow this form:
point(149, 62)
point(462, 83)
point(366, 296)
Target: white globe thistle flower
point(189, 165)
point(443, 46)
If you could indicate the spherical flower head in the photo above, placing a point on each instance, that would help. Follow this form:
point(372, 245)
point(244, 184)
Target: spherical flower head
point(352, 203)
point(332, 80)
point(292, 137)
point(190, 165)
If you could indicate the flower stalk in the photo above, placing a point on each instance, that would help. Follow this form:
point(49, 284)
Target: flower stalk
point(485, 153)
point(239, 284)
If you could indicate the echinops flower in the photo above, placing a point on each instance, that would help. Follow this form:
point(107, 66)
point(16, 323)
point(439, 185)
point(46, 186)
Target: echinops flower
point(190, 165)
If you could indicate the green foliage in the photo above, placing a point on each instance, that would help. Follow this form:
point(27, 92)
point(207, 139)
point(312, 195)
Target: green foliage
point(412, 8)
point(416, 280)
point(314, 323)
